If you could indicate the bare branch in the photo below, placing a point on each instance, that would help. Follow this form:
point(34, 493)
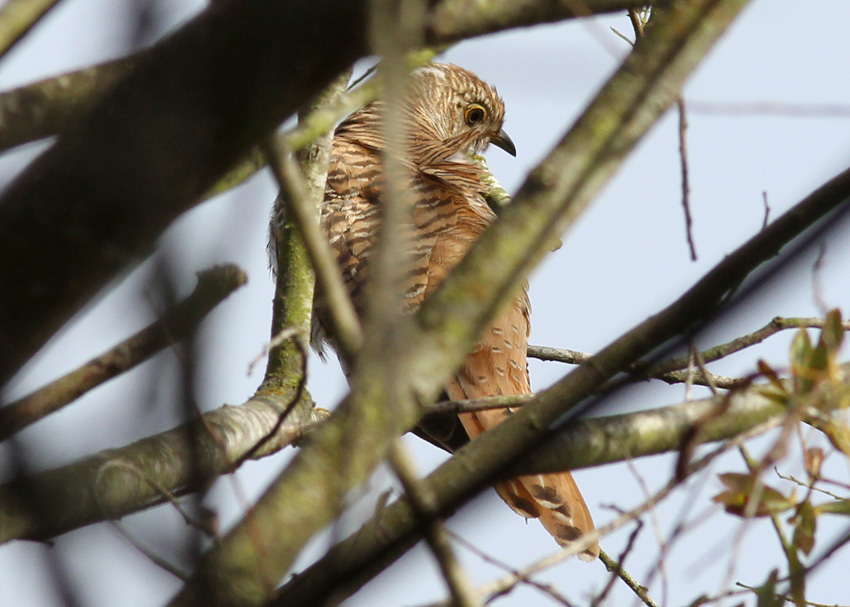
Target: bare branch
point(47, 107)
point(213, 287)
point(114, 483)
point(617, 571)
point(17, 17)
point(709, 355)
point(451, 20)
point(436, 534)
point(701, 377)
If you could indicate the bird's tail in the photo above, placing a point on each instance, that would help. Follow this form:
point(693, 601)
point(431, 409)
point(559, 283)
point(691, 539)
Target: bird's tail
point(498, 366)
point(554, 498)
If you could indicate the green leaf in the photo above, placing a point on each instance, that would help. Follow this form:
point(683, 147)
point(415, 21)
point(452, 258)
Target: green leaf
point(834, 507)
point(838, 435)
point(768, 372)
point(833, 332)
point(766, 593)
point(740, 488)
point(804, 531)
point(801, 356)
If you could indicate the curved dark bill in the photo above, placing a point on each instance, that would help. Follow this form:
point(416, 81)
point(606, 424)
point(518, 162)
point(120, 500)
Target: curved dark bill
point(503, 141)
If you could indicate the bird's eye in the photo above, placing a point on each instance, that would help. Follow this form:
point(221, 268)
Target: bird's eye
point(474, 114)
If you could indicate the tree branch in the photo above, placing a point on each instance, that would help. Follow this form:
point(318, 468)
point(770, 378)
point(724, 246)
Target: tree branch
point(699, 376)
point(117, 482)
point(213, 287)
point(452, 20)
point(671, 371)
point(96, 201)
point(47, 107)
point(17, 17)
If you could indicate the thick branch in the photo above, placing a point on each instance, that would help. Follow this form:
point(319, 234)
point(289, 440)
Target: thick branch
point(47, 107)
point(302, 187)
point(117, 482)
point(97, 200)
point(591, 442)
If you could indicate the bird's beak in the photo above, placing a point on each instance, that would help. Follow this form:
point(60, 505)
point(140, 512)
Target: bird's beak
point(503, 141)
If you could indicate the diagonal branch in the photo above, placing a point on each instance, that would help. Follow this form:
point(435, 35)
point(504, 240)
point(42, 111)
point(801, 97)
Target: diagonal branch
point(674, 370)
point(213, 287)
point(491, 455)
point(436, 533)
point(113, 483)
point(96, 201)
point(451, 20)
point(47, 107)
point(17, 17)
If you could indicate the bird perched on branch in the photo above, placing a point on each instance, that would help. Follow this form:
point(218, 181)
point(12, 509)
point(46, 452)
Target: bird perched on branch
point(449, 116)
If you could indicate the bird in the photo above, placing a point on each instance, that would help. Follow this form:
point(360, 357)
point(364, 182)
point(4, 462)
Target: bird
point(450, 115)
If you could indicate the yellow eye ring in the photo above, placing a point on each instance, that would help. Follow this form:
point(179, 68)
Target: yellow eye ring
point(474, 114)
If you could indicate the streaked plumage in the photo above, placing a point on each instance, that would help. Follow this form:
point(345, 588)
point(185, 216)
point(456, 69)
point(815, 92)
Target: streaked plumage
point(451, 114)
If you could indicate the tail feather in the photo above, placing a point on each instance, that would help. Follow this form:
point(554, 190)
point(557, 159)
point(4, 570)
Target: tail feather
point(554, 498)
point(498, 366)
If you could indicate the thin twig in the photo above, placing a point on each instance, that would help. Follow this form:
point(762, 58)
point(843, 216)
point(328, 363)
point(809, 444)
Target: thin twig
point(638, 26)
point(686, 184)
point(542, 587)
point(574, 357)
point(156, 560)
point(700, 362)
point(460, 586)
point(275, 342)
point(323, 119)
point(617, 571)
point(740, 343)
point(787, 598)
point(664, 547)
point(615, 567)
point(214, 285)
point(766, 204)
point(808, 486)
point(160, 489)
point(817, 284)
point(496, 587)
point(290, 406)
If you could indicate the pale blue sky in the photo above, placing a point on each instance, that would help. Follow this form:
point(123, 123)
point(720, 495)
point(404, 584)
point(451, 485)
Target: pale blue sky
point(624, 260)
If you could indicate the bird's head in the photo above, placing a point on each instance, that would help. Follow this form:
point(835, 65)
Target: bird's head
point(457, 109)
